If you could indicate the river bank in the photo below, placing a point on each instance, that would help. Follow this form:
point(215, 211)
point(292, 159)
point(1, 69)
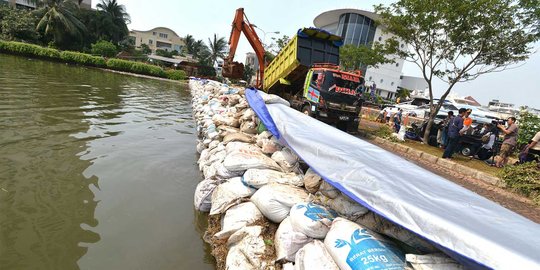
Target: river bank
point(69, 57)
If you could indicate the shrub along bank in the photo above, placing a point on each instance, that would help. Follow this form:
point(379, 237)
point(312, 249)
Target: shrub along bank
point(32, 50)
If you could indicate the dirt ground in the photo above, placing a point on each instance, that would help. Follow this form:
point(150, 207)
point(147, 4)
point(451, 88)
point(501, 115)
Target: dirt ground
point(503, 197)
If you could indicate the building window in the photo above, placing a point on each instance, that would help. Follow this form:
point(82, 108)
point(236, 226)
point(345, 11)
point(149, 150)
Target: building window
point(392, 83)
point(382, 80)
point(162, 35)
point(397, 64)
point(150, 42)
point(356, 29)
point(370, 78)
point(380, 38)
point(153, 33)
point(402, 45)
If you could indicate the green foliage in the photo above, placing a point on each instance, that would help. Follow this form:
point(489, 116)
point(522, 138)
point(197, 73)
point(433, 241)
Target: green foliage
point(403, 93)
point(206, 71)
point(114, 20)
point(459, 40)
point(176, 74)
point(165, 53)
point(280, 43)
point(360, 57)
point(217, 48)
point(529, 125)
point(28, 49)
point(135, 67)
point(249, 71)
point(59, 21)
point(104, 48)
point(524, 178)
point(82, 58)
point(17, 24)
point(145, 49)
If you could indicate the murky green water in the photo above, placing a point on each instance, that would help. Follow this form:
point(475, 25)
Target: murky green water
point(97, 171)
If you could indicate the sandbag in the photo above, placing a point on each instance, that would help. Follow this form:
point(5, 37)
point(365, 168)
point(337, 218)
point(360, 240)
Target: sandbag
point(228, 194)
point(273, 99)
point(288, 241)
point(288, 266)
point(223, 173)
point(237, 217)
point(311, 219)
point(248, 114)
point(314, 256)
point(356, 248)
point(328, 190)
point(249, 127)
point(257, 178)
point(246, 250)
point(275, 200)
point(202, 198)
point(238, 137)
point(245, 157)
point(343, 205)
point(286, 159)
point(312, 181)
point(381, 225)
point(437, 261)
point(270, 146)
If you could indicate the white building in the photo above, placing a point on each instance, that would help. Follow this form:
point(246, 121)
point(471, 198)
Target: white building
point(358, 27)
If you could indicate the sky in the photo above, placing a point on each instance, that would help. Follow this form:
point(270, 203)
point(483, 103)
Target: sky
point(204, 18)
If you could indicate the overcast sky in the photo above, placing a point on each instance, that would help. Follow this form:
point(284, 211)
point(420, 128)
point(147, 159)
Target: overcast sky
point(203, 18)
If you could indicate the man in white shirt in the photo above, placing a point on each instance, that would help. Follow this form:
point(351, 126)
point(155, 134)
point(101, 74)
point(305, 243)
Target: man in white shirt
point(533, 149)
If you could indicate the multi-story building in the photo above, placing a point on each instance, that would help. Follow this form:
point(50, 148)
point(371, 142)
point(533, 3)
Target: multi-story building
point(159, 38)
point(86, 4)
point(358, 27)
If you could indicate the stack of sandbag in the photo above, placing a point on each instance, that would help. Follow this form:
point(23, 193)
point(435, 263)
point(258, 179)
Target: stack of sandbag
point(250, 179)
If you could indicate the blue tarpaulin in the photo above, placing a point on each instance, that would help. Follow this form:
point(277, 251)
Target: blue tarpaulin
point(470, 228)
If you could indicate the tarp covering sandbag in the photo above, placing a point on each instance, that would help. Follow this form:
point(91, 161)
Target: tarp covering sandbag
point(470, 228)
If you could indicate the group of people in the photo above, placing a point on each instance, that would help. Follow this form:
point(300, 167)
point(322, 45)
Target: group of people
point(394, 119)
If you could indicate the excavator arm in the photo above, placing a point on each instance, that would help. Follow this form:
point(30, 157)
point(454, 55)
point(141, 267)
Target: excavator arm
point(241, 25)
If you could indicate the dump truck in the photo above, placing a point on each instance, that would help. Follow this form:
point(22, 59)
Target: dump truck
point(306, 73)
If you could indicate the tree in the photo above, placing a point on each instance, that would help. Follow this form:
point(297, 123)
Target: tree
point(104, 48)
point(189, 41)
point(58, 21)
point(280, 43)
point(529, 124)
point(403, 93)
point(16, 24)
point(145, 49)
point(217, 48)
point(248, 73)
point(363, 56)
point(115, 20)
point(459, 40)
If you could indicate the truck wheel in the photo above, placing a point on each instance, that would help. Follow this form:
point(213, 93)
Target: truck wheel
point(307, 110)
point(352, 127)
point(466, 151)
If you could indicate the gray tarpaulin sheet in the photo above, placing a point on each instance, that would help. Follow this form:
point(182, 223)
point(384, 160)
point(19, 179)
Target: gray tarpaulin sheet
point(468, 227)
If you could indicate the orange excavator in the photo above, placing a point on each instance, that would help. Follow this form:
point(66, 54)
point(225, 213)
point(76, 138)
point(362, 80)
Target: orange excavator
point(235, 70)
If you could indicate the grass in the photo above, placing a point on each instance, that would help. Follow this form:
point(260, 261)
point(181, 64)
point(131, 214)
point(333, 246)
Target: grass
point(370, 129)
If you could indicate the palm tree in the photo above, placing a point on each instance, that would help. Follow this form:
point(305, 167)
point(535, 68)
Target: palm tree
point(200, 51)
point(217, 48)
point(190, 41)
point(58, 20)
point(116, 18)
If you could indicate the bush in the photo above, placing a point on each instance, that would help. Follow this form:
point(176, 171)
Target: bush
point(28, 49)
point(136, 67)
point(176, 74)
point(82, 58)
point(104, 48)
point(524, 178)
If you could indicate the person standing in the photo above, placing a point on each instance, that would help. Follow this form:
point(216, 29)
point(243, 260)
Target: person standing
point(442, 134)
point(454, 134)
point(533, 149)
point(509, 141)
point(397, 120)
point(467, 122)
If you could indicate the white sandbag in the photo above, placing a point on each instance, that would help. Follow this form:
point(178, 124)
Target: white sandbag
point(273, 99)
point(249, 127)
point(202, 198)
point(288, 266)
point(355, 248)
point(246, 250)
point(381, 225)
point(438, 261)
point(200, 147)
point(288, 241)
point(312, 181)
point(314, 256)
point(238, 137)
point(286, 159)
point(248, 114)
point(237, 217)
point(223, 173)
point(275, 200)
point(328, 190)
point(343, 205)
point(270, 146)
point(257, 178)
point(228, 194)
point(246, 157)
point(233, 146)
point(311, 219)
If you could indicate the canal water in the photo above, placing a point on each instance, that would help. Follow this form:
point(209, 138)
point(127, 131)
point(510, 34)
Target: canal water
point(97, 170)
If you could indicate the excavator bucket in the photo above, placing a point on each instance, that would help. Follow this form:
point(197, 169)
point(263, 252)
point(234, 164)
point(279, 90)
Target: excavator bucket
point(233, 70)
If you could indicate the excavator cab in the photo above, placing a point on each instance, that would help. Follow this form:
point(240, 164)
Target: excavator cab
point(233, 70)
